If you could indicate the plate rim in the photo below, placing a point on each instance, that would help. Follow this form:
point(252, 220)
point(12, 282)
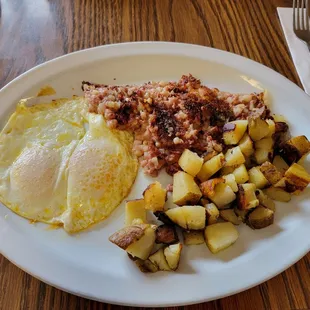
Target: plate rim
point(172, 45)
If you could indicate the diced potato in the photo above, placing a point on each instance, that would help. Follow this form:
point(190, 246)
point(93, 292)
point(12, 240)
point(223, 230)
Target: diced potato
point(223, 195)
point(257, 177)
point(295, 180)
point(229, 215)
point(241, 174)
point(272, 127)
point(264, 150)
point(188, 217)
point(146, 266)
point(265, 143)
point(233, 131)
point(246, 197)
point(265, 201)
point(166, 234)
point(185, 189)
point(241, 214)
point(270, 172)
point(279, 118)
point(293, 149)
point(261, 217)
point(137, 240)
point(246, 145)
point(210, 167)
point(193, 237)
point(227, 170)
point(190, 162)
point(177, 216)
point(262, 155)
point(155, 197)
point(277, 194)
point(212, 213)
point(220, 236)
point(135, 209)
point(301, 143)
point(234, 157)
point(208, 187)
point(280, 164)
point(173, 254)
point(230, 180)
point(195, 217)
point(159, 260)
point(258, 128)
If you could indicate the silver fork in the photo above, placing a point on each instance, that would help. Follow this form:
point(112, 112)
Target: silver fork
point(301, 24)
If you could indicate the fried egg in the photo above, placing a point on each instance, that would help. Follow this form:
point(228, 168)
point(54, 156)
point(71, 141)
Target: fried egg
point(61, 165)
point(101, 172)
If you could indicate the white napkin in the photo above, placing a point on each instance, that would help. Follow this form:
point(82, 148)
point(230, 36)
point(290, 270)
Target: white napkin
point(298, 49)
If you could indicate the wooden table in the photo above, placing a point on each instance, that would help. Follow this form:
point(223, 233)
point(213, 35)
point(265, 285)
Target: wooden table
point(33, 31)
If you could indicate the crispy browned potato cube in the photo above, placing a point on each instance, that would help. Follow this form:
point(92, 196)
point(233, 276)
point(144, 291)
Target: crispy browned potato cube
point(277, 194)
point(229, 215)
point(257, 177)
point(210, 167)
point(159, 260)
point(173, 254)
point(155, 197)
point(135, 209)
point(246, 145)
point(233, 131)
point(280, 164)
point(137, 240)
point(208, 187)
point(220, 236)
point(190, 162)
point(193, 237)
point(246, 197)
point(270, 172)
point(241, 174)
point(293, 149)
point(185, 189)
point(261, 217)
point(230, 180)
point(223, 195)
point(258, 128)
point(265, 201)
point(295, 180)
point(166, 234)
point(212, 213)
point(234, 157)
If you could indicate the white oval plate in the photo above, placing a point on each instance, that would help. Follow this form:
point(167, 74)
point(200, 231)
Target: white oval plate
point(87, 264)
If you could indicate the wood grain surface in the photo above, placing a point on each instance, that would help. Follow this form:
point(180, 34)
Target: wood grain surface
point(34, 31)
